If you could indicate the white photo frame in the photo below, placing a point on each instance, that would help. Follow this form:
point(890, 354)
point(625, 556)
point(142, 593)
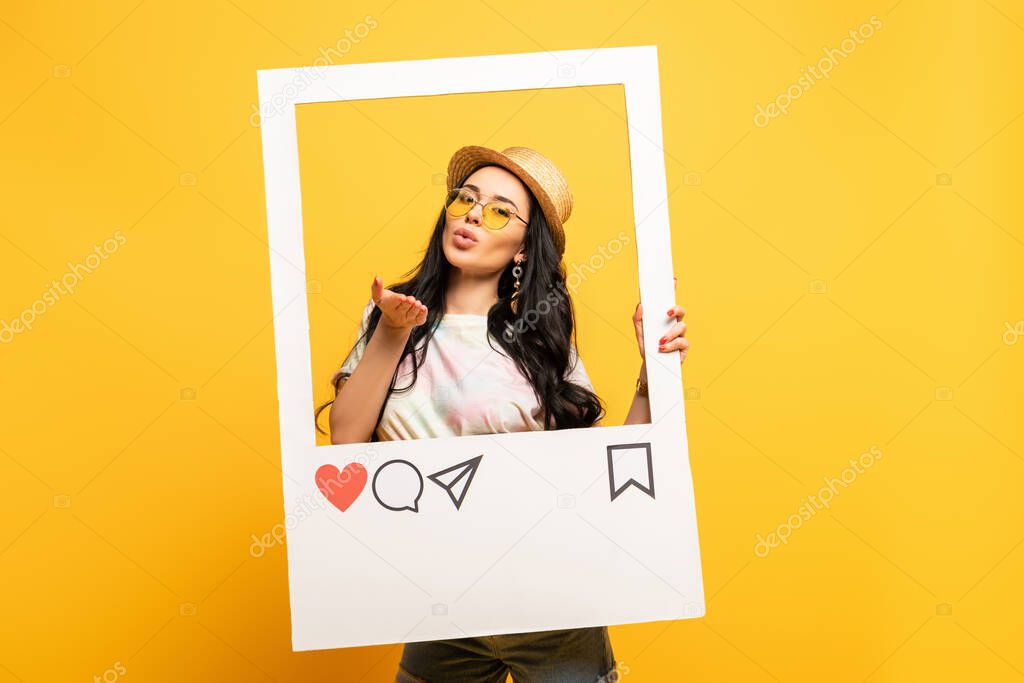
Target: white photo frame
point(544, 530)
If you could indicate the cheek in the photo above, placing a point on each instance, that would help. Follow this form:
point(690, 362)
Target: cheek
point(499, 246)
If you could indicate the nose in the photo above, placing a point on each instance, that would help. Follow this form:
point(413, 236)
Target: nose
point(475, 215)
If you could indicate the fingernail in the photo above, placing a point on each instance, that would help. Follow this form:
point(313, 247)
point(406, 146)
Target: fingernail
point(669, 312)
point(661, 347)
point(661, 341)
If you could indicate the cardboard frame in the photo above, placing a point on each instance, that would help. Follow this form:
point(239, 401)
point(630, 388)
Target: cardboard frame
point(560, 529)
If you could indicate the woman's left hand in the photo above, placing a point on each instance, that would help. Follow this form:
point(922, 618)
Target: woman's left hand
point(675, 337)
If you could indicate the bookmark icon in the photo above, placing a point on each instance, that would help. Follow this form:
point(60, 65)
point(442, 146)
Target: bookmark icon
point(629, 464)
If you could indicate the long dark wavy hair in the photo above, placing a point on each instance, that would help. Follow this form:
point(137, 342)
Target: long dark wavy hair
point(537, 338)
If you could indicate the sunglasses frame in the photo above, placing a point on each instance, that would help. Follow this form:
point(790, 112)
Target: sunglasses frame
point(449, 199)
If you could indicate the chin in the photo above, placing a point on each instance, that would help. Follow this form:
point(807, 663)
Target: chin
point(458, 258)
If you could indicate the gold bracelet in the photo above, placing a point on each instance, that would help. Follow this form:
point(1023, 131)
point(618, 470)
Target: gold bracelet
point(641, 386)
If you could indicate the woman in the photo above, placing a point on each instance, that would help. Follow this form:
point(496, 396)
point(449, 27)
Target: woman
point(480, 337)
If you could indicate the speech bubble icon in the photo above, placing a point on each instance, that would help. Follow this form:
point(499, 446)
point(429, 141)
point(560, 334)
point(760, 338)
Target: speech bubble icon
point(398, 485)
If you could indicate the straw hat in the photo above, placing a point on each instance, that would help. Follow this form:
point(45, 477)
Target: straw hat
point(535, 170)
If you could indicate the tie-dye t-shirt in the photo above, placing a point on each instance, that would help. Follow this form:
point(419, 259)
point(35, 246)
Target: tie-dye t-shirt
point(464, 386)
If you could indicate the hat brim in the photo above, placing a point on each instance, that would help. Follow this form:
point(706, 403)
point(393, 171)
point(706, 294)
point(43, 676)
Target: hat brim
point(471, 157)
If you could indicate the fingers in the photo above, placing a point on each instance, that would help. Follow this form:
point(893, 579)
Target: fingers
point(400, 310)
point(675, 338)
point(677, 344)
point(416, 307)
point(401, 307)
point(677, 330)
point(405, 305)
point(376, 290)
point(409, 308)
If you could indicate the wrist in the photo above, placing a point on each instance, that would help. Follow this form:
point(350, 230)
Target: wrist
point(641, 385)
point(394, 335)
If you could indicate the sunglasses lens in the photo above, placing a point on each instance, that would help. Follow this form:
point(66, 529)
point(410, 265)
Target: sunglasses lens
point(459, 202)
point(497, 215)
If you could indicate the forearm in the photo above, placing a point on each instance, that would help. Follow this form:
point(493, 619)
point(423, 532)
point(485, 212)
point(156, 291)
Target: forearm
point(640, 409)
point(355, 409)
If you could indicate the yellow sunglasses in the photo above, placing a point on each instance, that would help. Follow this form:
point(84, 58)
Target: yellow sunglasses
point(496, 214)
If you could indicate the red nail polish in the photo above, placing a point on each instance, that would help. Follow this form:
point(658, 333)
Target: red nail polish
point(669, 312)
point(662, 341)
point(661, 347)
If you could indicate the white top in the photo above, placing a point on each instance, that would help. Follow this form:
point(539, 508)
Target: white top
point(463, 385)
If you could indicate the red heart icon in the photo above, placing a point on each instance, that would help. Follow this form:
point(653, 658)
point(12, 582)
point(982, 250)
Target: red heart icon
point(341, 487)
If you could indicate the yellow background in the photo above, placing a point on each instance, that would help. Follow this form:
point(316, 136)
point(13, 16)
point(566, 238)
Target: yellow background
point(849, 271)
point(369, 206)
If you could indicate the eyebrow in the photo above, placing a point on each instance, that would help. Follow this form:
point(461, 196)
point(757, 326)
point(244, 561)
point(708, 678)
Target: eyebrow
point(497, 196)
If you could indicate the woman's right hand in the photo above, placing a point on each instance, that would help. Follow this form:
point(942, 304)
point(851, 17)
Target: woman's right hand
point(399, 312)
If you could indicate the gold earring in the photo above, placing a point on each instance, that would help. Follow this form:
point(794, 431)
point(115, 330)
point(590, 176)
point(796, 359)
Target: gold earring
point(517, 273)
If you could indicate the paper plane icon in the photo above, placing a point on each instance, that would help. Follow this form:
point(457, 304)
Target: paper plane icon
point(455, 480)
